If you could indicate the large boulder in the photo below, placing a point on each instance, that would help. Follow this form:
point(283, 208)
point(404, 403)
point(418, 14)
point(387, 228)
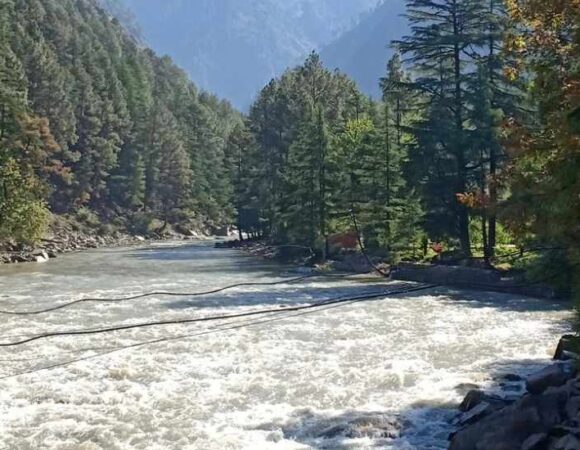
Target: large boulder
point(568, 442)
point(567, 348)
point(551, 376)
point(508, 428)
point(535, 442)
point(353, 263)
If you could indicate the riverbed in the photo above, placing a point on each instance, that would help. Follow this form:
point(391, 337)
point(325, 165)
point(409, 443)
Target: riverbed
point(385, 373)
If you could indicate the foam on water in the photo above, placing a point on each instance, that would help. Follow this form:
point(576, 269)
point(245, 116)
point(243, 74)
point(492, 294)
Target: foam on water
point(349, 377)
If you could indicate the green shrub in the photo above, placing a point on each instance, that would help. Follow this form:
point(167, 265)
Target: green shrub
point(23, 216)
point(141, 223)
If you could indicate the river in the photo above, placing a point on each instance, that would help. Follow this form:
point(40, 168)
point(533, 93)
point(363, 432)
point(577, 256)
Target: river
point(339, 378)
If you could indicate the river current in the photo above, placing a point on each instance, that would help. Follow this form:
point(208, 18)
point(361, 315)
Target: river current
point(385, 373)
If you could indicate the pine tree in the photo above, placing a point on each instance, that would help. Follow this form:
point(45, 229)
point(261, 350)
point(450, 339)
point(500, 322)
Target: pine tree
point(25, 147)
point(397, 114)
point(306, 196)
point(443, 30)
point(122, 118)
point(174, 171)
point(241, 156)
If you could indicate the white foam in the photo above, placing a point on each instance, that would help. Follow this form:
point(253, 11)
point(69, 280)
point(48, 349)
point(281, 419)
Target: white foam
point(277, 386)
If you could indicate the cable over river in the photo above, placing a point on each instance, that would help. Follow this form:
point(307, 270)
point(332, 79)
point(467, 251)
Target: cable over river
point(384, 373)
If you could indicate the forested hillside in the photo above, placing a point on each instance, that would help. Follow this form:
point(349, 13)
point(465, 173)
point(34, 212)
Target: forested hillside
point(234, 47)
point(90, 121)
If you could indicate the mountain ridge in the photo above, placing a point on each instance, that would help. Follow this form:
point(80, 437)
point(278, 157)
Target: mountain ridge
point(363, 51)
point(234, 48)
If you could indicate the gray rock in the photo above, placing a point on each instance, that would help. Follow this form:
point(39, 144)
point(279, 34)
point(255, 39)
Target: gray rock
point(353, 263)
point(535, 442)
point(474, 414)
point(465, 388)
point(567, 348)
point(568, 442)
point(476, 397)
point(373, 427)
point(573, 407)
point(40, 256)
point(510, 427)
point(471, 400)
point(564, 430)
point(511, 377)
point(554, 375)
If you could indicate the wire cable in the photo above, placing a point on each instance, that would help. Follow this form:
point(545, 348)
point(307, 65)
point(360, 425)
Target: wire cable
point(84, 332)
point(314, 308)
point(362, 247)
point(162, 294)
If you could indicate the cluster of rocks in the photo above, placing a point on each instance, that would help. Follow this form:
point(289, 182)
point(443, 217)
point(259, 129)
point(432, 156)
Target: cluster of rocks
point(51, 247)
point(546, 417)
point(64, 240)
point(349, 261)
point(357, 263)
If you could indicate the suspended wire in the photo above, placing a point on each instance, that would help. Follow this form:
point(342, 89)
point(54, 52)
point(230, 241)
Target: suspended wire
point(302, 311)
point(362, 247)
point(94, 331)
point(106, 349)
point(166, 339)
point(164, 294)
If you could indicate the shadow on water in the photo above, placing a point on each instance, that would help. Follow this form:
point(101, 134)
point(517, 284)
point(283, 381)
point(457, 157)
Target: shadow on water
point(300, 293)
point(188, 252)
point(424, 425)
point(425, 428)
point(276, 295)
point(323, 431)
point(500, 301)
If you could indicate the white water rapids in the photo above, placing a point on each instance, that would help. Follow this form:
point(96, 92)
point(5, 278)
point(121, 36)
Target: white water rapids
point(341, 378)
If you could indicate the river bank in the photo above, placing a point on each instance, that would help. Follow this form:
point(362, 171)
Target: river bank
point(350, 261)
point(51, 247)
point(545, 417)
point(69, 235)
point(458, 276)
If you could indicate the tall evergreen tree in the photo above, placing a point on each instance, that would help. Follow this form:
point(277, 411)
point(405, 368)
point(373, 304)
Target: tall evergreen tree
point(443, 32)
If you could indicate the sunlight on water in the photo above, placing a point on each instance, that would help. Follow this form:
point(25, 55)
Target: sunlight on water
point(343, 378)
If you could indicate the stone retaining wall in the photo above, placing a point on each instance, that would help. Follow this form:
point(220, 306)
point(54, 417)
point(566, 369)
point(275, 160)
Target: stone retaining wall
point(470, 278)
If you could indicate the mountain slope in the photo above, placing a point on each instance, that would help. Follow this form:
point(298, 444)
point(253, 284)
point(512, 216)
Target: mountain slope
point(96, 125)
point(234, 47)
point(362, 52)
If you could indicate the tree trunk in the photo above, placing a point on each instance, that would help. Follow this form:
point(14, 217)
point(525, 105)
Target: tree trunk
point(463, 213)
point(388, 176)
